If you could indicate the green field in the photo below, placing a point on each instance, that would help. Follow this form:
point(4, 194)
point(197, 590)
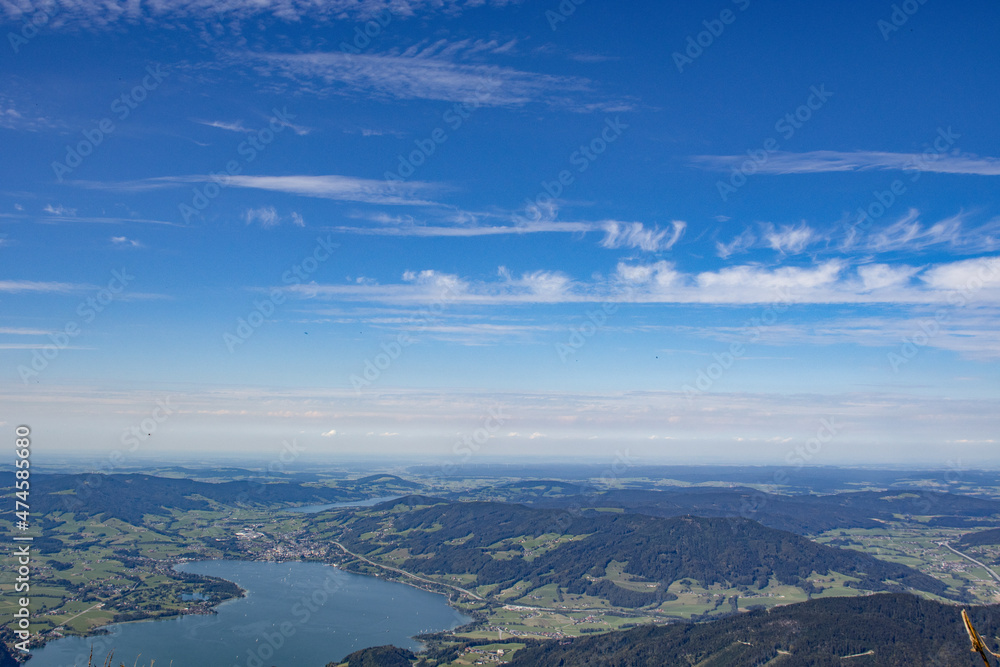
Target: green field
point(109, 570)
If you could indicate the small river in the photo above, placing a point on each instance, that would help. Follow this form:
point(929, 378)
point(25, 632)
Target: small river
point(294, 615)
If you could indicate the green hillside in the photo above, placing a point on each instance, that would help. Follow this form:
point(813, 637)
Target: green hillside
point(627, 559)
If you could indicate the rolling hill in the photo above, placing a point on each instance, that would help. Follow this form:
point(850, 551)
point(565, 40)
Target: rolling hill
point(629, 560)
point(131, 496)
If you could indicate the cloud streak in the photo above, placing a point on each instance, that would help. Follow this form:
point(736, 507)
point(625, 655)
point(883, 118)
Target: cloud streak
point(426, 418)
point(41, 287)
point(413, 75)
point(99, 16)
point(815, 162)
point(339, 188)
point(636, 235)
point(826, 282)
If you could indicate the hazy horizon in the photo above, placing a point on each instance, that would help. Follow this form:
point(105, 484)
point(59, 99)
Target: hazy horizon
point(459, 230)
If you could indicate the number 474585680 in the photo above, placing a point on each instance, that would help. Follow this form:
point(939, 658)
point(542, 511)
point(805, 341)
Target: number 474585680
point(22, 444)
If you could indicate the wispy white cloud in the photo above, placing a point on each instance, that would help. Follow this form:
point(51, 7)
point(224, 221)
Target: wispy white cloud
point(788, 240)
point(813, 162)
point(39, 346)
point(125, 242)
point(50, 218)
point(430, 74)
point(341, 188)
point(659, 276)
point(234, 126)
point(41, 287)
point(882, 276)
point(616, 234)
point(908, 233)
point(545, 285)
point(824, 282)
point(268, 217)
point(738, 245)
point(967, 331)
point(969, 274)
point(875, 425)
point(911, 234)
point(10, 118)
point(636, 235)
point(58, 210)
point(409, 229)
point(238, 126)
point(89, 15)
point(13, 119)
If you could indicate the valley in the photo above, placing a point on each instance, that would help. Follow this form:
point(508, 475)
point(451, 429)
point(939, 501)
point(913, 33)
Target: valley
point(564, 565)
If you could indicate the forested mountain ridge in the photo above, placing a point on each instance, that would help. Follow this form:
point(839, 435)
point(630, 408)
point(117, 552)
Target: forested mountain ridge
point(486, 540)
point(130, 496)
point(983, 537)
point(803, 514)
point(886, 630)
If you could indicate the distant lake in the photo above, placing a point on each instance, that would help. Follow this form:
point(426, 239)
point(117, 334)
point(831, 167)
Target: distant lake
point(311, 509)
point(294, 615)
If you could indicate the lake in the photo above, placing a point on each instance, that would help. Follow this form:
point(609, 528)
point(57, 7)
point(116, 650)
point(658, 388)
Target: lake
point(294, 615)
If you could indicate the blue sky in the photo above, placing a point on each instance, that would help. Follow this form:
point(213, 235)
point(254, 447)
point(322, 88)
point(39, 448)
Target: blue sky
point(690, 233)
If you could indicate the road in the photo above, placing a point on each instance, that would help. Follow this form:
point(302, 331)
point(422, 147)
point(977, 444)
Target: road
point(99, 604)
point(970, 558)
point(408, 574)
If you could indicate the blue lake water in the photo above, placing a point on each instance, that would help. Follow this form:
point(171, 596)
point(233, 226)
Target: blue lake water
point(294, 615)
point(312, 509)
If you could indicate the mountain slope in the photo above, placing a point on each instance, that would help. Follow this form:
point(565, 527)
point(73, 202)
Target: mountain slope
point(981, 538)
point(488, 540)
point(803, 514)
point(884, 630)
point(130, 496)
